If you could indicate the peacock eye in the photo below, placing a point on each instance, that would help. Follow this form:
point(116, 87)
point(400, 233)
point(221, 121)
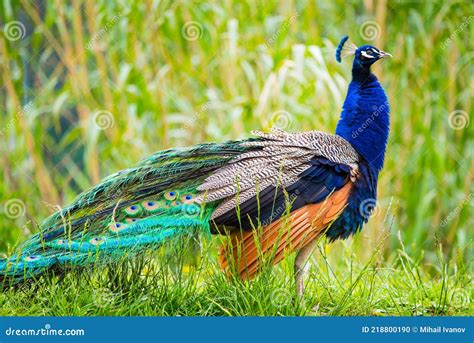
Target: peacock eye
point(150, 205)
point(132, 210)
point(366, 55)
point(187, 199)
point(117, 227)
point(97, 241)
point(170, 195)
point(32, 258)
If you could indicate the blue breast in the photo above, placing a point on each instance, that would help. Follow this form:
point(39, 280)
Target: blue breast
point(359, 205)
point(365, 120)
point(364, 123)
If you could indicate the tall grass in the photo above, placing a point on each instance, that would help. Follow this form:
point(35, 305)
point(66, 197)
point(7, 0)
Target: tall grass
point(149, 286)
point(93, 87)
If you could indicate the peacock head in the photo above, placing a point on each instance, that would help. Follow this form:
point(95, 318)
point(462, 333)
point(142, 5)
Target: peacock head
point(368, 54)
point(364, 56)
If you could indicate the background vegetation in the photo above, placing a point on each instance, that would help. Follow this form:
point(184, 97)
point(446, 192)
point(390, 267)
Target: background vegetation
point(89, 88)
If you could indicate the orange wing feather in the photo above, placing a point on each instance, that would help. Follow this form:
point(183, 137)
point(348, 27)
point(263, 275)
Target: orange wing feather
point(249, 249)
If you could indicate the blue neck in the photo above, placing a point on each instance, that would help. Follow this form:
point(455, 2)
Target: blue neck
point(365, 118)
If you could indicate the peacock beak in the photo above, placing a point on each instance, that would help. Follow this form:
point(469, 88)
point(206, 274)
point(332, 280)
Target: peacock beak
point(383, 54)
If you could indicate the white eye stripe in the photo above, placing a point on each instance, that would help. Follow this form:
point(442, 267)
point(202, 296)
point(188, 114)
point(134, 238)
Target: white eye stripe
point(374, 50)
point(363, 53)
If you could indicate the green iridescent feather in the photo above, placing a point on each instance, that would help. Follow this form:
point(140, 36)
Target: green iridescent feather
point(128, 211)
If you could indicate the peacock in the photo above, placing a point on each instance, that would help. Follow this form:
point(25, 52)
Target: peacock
point(272, 194)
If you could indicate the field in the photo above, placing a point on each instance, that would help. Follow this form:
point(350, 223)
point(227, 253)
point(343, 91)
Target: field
point(90, 88)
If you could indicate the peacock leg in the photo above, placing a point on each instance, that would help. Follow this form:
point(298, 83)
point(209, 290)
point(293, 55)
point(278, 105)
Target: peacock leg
point(301, 267)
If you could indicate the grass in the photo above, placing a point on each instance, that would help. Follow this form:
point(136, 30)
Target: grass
point(93, 87)
point(337, 287)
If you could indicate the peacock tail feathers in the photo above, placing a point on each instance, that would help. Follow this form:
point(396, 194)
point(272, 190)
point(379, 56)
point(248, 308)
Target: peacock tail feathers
point(143, 206)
